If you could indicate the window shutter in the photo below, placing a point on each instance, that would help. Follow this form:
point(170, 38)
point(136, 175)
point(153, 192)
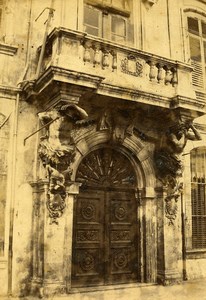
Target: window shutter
point(198, 198)
point(197, 74)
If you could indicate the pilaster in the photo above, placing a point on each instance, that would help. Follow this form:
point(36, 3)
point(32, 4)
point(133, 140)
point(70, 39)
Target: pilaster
point(52, 246)
point(169, 240)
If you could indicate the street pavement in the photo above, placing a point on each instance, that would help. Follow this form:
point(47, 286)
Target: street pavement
point(189, 290)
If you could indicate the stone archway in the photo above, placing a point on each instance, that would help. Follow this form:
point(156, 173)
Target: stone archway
point(106, 236)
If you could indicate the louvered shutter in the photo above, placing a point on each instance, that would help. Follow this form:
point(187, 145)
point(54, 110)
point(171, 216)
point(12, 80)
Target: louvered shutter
point(197, 74)
point(198, 198)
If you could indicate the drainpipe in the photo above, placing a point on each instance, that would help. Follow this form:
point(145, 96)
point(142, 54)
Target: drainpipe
point(184, 257)
point(13, 167)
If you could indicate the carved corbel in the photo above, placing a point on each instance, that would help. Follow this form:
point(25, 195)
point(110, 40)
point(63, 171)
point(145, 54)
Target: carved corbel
point(57, 152)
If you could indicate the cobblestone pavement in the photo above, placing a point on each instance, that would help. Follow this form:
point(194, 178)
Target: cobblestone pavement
point(190, 290)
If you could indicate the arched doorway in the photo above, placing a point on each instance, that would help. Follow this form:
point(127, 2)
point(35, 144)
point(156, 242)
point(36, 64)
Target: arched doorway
point(105, 232)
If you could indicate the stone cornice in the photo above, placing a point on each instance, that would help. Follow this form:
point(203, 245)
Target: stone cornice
point(67, 76)
point(8, 49)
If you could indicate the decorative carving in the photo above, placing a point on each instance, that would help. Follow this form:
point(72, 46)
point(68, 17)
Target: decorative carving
point(106, 167)
point(87, 235)
point(174, 189)
point(56, 194)
point(120, 259)
point(132, 66)
point(87, 262)
point(56, 150)
point(119, 122)
point(117, 235)
point(120, 213)
point(88, 211)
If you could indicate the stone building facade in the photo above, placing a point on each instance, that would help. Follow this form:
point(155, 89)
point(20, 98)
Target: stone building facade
point(103, 155)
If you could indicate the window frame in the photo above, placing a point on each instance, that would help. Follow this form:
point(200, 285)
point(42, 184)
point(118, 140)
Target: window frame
point(105, 31)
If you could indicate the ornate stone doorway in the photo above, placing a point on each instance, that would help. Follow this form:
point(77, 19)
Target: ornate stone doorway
point(105, 232)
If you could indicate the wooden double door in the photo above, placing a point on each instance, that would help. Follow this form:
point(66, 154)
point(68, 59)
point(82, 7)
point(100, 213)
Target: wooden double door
point(105, 238)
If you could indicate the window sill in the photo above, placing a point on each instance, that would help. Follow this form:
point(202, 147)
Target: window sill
point(196, 253)
point(8, 49)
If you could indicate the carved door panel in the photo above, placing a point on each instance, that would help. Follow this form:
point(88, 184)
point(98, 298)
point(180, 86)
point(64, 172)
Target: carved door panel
point(105, 238)
point(122, 248)
point(88, 237)
point(105, 229)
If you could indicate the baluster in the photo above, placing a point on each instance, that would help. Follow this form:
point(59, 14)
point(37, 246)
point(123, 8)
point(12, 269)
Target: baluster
point(168, 75)
point(105, 61)
point(114, 61)
point(87, 54)
point(152, 73)
point(174, 77)
point(97, 55)
point(160, 74)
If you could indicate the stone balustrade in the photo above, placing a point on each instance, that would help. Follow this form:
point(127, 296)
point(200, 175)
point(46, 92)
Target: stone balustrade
point(134, 63)
point(123, 71)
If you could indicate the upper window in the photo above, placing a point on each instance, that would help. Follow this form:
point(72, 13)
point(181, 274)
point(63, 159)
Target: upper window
point(198, 197)
point(108, 20)
point(197, 43)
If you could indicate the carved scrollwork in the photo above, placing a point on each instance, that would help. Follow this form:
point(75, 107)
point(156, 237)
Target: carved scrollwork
point(132, 66)
point(56, 194)
point(117, 235)
point(174, 190)
point(87, 235)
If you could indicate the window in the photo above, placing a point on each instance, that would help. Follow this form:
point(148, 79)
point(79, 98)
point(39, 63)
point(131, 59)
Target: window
point(108, 20)
point(198, 197)
point(197, 44)
point(4, 140)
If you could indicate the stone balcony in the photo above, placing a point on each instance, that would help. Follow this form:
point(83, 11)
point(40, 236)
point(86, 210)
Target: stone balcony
point(109, 69)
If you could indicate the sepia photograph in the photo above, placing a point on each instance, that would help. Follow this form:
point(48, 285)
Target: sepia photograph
point(103, 149)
